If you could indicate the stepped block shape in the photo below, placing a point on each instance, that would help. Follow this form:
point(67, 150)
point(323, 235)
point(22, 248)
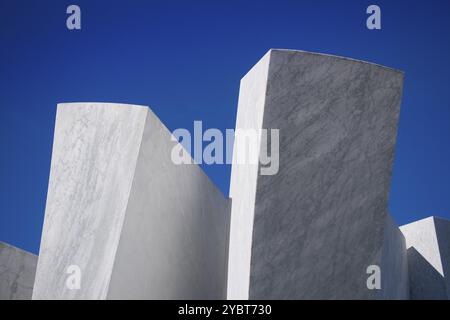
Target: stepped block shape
point(127, 219)
point(17, 271)
point(311, 230)
point(428, 250)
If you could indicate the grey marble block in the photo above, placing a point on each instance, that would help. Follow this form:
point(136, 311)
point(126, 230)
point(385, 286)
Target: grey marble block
point(17, 271)
point(428, 247)
point(135, 224)
point(311, 230)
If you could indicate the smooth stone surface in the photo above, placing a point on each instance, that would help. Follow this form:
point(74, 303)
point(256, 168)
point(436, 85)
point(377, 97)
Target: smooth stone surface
point(17, 271)
point(138, 226)
point(428, 247)
point(174, 242)
point(321, 221)
point(243, 182)
point(95, 150)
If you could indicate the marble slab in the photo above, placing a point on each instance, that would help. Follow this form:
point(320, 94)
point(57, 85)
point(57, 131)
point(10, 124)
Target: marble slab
point(136, 225)
point(311, 230)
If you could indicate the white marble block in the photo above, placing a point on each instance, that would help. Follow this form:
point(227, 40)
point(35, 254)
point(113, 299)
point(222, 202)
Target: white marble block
point(118, 209)
point(17, 271)
point(311, 230)
point(428, 250)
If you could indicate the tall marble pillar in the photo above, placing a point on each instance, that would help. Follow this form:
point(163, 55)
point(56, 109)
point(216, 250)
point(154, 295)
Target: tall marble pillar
point(122, 221)
point(311, 230)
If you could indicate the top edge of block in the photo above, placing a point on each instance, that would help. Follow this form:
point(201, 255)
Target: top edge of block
point(336, 57)
point(100, 104)
point(421, 220)
point(2, 243)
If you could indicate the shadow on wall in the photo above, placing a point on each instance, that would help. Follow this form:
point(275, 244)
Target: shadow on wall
point(426, 283)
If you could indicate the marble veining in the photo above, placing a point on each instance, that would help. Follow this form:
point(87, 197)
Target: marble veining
point(137, 225)
point(320, 221)
point(95, 151)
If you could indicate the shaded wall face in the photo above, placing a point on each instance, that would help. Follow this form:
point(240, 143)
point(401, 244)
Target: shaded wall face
point(394, 265)
point(174, 241)
point(17, 272)
point(319, 223)
point(426, 283)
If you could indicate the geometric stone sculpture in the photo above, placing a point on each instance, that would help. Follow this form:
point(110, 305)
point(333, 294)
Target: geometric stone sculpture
point(121, 219)
point(311, 230)
point(17, 270)
point(428, 250)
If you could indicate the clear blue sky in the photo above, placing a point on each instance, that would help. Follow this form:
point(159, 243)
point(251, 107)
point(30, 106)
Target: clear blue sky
point(185, 59)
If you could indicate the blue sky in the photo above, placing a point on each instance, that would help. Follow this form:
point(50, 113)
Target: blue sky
point(185, 59)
